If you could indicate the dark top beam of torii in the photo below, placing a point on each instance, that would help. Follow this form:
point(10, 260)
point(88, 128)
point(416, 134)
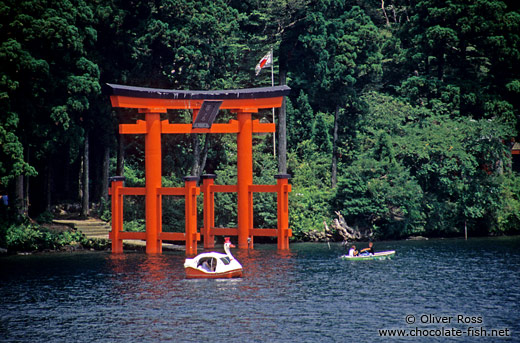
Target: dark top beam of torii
point(248, 99)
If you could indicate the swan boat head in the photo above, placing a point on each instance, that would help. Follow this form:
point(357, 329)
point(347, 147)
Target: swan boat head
point(214, 264)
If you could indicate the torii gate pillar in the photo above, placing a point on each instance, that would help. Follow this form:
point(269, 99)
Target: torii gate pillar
point(244, 177)
point(153, 183)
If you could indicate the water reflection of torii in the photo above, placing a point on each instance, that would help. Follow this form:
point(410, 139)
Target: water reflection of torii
point(205, 105)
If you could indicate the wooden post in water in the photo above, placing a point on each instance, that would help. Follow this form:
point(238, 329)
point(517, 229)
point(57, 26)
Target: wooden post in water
point(283, 189)
point(190, 213)
point(117, 213)
point(209, 210)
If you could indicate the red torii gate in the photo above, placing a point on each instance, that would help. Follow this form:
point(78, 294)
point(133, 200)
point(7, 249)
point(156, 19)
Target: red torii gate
point(152, 102)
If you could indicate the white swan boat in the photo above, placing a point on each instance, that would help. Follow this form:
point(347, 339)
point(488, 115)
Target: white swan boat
point(213, 265)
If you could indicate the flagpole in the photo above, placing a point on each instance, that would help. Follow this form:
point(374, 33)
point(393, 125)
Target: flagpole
point(265, 60)
point(272, 84)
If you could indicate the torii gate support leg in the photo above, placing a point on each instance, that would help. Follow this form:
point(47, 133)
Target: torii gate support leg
point(190, 213)
point(244, 176)
point(117, 214)
point(209, 210)
point(283, 189)
point(153, 182)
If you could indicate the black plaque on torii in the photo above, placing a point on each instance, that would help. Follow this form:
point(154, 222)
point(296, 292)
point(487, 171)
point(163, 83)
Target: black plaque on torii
point(207, 114)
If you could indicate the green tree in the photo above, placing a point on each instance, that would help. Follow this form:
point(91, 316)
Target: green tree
point(417, 171)
point(508, 215)
point(339, 56)
point(377, 190)
point(311, 194)
point(300, 118)
point(50, 80)
point(12, 162)
point(462, 57)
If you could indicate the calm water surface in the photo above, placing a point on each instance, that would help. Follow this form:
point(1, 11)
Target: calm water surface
point(305, 295)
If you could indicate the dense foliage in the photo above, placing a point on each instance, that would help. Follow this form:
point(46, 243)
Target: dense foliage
point(402, 114)
point(33, 237)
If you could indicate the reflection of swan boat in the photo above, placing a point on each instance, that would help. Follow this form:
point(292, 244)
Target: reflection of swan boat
point(377, 256)
point(213, 265)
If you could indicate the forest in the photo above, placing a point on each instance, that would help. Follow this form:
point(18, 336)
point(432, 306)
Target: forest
point(402, 115)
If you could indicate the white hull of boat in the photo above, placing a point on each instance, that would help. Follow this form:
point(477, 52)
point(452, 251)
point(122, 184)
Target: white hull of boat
point(383, 255)
point(213, 265)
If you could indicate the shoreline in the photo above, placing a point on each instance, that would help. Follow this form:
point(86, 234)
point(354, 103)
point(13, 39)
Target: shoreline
point(140, 246)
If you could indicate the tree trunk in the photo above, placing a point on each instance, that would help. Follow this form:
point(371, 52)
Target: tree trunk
point(333, 174)
point(384, 12)
point(26, 200)
point(47, 188)
point(66, 177)
point(19, 200)
point(104, 174)
point(207, 143)
point(195, 167)
point(85, 198)
point(80, 179)
point(282, 131)
point(120, 168)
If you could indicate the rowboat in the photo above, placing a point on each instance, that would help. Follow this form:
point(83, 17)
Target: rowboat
point(382, 255)
point(213, 265)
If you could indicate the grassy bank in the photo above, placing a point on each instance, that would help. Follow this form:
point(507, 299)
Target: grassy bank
point(33, 237)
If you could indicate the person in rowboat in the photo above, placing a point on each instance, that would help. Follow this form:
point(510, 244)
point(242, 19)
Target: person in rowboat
point(352, 252)
point(369, 250)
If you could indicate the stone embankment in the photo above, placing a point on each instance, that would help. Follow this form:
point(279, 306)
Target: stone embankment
point(91, 228)
point(95, 228)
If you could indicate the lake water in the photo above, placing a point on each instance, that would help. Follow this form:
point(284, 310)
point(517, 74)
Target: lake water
point(305, 295)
